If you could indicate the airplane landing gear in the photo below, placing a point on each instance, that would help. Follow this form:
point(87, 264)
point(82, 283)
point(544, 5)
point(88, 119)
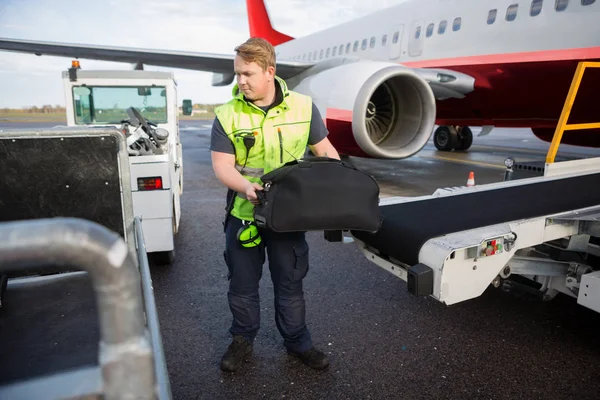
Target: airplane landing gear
point(447, 138)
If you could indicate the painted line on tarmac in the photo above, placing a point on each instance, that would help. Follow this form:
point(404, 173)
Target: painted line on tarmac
point(458, 161)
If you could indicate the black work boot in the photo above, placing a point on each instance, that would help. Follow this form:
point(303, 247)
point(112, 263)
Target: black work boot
point(313, 358)
point(233, 357)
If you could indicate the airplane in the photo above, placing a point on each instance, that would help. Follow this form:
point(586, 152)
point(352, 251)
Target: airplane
point(383, 81)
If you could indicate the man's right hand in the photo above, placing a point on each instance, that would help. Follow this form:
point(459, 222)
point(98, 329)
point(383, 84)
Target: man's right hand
point(251, 192)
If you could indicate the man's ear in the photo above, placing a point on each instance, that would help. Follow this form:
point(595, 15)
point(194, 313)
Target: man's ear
point(271, 72)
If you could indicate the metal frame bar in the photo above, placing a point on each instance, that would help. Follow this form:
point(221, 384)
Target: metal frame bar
point(160, 364)
point(125, 354)
point(566, 111)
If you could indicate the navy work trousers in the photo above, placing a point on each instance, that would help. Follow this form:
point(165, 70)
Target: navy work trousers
point(288, 264)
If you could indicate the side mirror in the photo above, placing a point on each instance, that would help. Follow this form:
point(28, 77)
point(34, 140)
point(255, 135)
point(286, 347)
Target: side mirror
point(186, 107)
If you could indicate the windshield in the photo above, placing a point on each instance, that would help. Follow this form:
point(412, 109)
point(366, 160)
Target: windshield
point(109, 104)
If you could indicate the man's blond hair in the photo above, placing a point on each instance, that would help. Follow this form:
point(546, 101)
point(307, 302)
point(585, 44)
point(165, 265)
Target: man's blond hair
point(257, 50)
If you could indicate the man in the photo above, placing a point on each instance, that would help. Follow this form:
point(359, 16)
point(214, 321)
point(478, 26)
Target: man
point(264, 126)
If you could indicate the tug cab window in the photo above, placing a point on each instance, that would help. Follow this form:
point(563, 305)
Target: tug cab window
point(109, 104)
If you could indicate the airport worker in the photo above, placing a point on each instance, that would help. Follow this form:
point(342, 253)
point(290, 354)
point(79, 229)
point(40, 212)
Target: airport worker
point(261, 128)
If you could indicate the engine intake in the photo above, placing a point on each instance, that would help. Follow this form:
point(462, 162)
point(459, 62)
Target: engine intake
point(393, 114)
point(393, 108)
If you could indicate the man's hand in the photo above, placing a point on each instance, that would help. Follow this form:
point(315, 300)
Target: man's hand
point(251, 192)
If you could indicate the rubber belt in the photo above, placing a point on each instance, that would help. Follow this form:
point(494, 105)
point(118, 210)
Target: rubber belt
point(407, 226)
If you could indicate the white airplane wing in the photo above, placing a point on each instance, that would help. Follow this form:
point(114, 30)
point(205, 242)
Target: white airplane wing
point(220, 64)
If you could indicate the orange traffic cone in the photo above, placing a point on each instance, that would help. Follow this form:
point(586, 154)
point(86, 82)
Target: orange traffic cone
point(471, 180)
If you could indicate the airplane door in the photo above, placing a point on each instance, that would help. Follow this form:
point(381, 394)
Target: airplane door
point(416, 38)
point(396, 42)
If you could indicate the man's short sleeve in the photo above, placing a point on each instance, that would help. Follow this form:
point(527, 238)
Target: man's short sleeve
point(318, 131)
point(219, 140)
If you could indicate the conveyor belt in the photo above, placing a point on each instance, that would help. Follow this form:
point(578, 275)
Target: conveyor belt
point(407, 226)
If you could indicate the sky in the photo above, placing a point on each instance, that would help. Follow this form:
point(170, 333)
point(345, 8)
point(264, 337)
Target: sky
point(213, 26)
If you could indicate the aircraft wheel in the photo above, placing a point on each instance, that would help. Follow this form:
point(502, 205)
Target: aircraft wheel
point(443, 138)
point(465, 138)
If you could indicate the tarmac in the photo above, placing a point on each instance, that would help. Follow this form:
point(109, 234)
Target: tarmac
point(383, 342)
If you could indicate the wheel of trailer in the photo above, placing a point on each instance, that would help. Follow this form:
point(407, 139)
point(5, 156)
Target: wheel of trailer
point(442, 139)
point(465, 138)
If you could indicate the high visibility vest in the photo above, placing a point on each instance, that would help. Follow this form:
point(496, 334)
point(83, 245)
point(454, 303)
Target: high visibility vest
point(281, 136)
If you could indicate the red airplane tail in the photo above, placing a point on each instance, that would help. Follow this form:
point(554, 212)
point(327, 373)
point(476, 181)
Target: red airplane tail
point(260, 23)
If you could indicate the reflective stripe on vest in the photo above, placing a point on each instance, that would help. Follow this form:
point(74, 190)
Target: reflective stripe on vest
point(280, 136)
point(249, 171)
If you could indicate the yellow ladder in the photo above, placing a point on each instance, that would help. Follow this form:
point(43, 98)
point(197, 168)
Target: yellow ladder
point(566, 111)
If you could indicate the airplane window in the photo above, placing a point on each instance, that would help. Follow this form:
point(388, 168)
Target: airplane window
point(587, 2)
point(429, 30)
point(511, 12)
point(561, 5)
point(333, 51)
point(395, 38)
point(315, 55)
point(327, 52)
point(456, 24)
point(492, 16)
point(536, 7)
point(364, 44)
point(372, 44)
point(355, 47)
point(348, 48)
point(384, 40)
point(418, 32)
point(442, 27)
point(341, 48)
point(321, 54)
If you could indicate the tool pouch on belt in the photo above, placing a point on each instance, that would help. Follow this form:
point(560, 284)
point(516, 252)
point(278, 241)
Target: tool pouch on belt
point(318, 194)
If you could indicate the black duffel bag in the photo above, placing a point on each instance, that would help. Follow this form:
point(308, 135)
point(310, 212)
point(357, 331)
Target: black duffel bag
point(318, 194)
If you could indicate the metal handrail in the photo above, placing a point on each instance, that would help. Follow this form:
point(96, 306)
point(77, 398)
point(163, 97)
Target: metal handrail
point(566, 111)
point(125, 354)
point(160, 364)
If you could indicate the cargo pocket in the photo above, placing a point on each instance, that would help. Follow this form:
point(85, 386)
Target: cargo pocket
point(301, 266)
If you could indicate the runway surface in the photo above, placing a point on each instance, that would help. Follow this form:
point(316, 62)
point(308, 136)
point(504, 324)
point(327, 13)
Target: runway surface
point(382, 341)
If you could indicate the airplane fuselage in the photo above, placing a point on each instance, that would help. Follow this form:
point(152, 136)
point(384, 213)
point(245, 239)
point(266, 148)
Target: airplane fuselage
point(522, 54)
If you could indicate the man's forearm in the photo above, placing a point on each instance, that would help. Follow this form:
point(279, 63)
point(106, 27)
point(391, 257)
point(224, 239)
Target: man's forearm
point(329, 151)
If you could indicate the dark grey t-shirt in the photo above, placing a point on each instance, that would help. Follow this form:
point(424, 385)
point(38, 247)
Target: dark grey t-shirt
point(221, 143)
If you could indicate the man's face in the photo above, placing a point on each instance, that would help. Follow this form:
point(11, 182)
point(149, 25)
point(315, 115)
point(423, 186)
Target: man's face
point(251, 79)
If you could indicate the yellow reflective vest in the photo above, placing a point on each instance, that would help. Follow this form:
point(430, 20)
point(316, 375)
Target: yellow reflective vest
point(281, 135)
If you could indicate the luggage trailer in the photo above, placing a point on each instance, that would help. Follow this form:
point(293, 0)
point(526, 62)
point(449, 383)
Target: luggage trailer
point(455, 243)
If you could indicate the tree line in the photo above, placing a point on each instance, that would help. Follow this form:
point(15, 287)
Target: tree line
point(45, 109)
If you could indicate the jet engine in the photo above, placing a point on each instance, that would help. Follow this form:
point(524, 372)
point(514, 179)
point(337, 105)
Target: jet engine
point(389, 110)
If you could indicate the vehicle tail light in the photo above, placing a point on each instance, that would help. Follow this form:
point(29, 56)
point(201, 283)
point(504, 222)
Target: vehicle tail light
point(152, 183)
